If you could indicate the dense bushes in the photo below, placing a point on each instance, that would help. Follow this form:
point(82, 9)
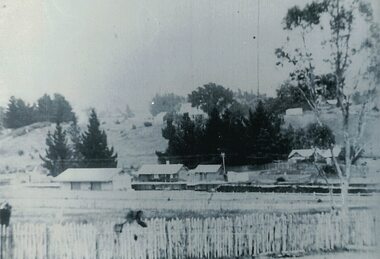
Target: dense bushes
point(257, 139)
point(19, 113)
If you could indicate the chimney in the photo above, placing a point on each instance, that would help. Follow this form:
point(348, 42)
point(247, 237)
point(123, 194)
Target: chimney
point(167, 162)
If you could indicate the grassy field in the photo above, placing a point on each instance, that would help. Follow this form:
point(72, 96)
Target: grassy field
point(54, 205)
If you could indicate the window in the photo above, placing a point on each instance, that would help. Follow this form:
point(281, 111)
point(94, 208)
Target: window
point(75, 186)
point(96, 186)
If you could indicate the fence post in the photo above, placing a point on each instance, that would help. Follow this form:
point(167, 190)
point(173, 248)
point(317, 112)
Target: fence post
point(97, 246)
point(46, 242)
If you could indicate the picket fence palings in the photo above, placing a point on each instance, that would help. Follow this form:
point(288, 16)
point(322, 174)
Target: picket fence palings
point(246, 235)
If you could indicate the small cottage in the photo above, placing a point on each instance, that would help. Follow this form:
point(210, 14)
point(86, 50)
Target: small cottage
point(294, 111)
point(206, 173)
point(193, 112)
point(297, 155)
point(160, 172)
point(95, 179)
point(237, 177)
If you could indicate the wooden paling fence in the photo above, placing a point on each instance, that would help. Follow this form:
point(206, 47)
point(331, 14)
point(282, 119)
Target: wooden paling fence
point(248, 235)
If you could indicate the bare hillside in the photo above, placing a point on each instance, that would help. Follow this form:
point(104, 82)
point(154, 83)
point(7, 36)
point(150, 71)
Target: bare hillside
point(333, 119)
point(20, 148)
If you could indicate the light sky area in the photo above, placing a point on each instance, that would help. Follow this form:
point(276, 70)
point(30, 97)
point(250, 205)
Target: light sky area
point(107, 54)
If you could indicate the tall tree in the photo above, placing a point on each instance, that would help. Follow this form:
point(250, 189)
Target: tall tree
point(352, 59)
point(61, 109)
point(74, 132)
point(165, 103)
point(18, 113)
point(45, 108)
point(58, 153)
point(94, 147)
point(210, 97)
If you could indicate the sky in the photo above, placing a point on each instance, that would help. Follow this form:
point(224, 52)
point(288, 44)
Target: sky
point(108, 54)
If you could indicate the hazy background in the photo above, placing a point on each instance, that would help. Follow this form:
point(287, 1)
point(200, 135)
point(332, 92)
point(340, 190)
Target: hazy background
point(112, 53)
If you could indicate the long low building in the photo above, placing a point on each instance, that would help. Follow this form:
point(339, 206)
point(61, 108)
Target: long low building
point(95, 179)
point(160, 173)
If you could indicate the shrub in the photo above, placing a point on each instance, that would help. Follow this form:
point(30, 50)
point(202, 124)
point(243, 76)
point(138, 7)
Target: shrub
point(147, 124)
point(280, 179)
point(20, 152)
point(329, 169)
point(133, 126)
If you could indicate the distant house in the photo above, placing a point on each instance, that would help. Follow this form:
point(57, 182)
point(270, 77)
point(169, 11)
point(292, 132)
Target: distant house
point(206, 173)
point(300, 155)
point(159, 118)
point(193, 112)
point(294, 111)
point(95, 179)
point(326, 156)
point(322, 155)
point(237, 177)
point(160, 172)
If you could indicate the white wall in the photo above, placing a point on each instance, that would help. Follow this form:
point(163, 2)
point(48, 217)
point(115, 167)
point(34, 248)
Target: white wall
point(107, 186)
point(66, 186)
point(122, 182)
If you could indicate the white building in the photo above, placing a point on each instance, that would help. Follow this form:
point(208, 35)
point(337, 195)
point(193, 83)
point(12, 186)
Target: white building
point(294, 111)
point(206, 173)
point(308, 154)
point(193, 112)
point(160, 172)
point(237, 177)
point(95, 179)
point(300, 154)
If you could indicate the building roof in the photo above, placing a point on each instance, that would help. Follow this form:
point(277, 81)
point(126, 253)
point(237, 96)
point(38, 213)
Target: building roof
point(326, 153)
point(88, 175)
point(306, 153)
point(187, 108)
point(159, 169)
point(206, 168)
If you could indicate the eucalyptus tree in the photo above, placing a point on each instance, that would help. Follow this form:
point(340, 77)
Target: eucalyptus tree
point(340, 38)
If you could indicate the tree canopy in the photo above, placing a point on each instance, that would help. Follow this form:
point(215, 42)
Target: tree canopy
point(211, 96)
point(94, 146)
point(58, 152)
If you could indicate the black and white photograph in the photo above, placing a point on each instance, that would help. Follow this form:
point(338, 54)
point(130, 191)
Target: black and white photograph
point(190, 129)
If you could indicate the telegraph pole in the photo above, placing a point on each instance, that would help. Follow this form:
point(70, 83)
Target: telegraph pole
point(224, 164)
point(258, 48)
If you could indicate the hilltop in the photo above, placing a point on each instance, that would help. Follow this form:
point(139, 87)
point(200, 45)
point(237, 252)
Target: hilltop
point(136, 144)
point(333, 118)
point(20, 148)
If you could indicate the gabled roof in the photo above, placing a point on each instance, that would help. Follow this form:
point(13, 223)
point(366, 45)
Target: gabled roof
point(306, 153)
point(326, 153)
point(206, 168)
point(301, 152)
point(159, 169)
point(88, 175)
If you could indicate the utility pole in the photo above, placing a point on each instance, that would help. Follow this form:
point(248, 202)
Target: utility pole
point(224, 164)
point(258, 48)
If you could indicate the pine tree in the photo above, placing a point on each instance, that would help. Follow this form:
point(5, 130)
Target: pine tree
point(261, 135)
point(94, 147)
point(74, 132)
point(18, 113)
point(58, 153)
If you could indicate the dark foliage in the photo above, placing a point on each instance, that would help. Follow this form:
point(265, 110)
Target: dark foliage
point(210, 97)
point(165, 103)
point(19, 114)
point(58, 153)
point(94, 147)
point(256, 139)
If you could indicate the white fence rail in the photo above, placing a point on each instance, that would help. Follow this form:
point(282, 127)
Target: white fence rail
point(223, 237)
